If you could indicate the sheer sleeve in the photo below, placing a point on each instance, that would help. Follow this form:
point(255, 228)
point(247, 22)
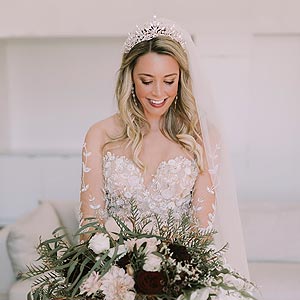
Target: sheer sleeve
point(204, 200)
point(92, 203)
point(204, 196)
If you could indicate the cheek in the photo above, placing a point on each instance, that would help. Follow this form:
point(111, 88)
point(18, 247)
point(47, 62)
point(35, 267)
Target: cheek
point(174, 89)
point(141, 90)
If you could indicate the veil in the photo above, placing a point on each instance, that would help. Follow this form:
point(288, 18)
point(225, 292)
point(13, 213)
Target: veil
point(227, 219)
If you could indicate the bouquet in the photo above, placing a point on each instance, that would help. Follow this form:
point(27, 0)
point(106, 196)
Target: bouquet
point(140, 257)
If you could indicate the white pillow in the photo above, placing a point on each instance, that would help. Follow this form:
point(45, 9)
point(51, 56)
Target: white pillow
point(25, 233)
point(68, 213)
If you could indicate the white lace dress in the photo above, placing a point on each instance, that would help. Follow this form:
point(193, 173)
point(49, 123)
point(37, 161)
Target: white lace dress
point(170, 188)
point(110, 181)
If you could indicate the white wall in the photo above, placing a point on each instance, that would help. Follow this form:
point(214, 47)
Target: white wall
point(256, 80)
point(57, 88)
point(114, 18)
point(4, 104)
point(274, 118)
point(57, 69)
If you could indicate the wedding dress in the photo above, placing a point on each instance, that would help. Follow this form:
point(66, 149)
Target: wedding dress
point(172, 187)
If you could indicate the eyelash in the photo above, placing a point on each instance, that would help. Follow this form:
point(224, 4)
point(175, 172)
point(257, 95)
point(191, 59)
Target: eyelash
point(149, 82)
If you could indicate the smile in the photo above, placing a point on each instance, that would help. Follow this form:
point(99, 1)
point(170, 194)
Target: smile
point(157, 103)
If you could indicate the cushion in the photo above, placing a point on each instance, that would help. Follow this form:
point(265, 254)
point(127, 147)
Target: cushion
point(20, 289)
point(68, 213)
point(25, 233)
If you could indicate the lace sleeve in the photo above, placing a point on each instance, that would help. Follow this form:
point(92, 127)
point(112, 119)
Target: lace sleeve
point(204, 197)
point(92, 203)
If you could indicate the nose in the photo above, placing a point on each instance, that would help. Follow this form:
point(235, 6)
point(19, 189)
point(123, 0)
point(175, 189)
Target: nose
point(157, 90)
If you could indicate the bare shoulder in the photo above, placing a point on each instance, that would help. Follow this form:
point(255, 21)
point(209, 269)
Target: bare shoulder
point(101, 131)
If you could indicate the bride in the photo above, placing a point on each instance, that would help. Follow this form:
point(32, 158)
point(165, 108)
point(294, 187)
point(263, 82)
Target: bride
point(163, 147)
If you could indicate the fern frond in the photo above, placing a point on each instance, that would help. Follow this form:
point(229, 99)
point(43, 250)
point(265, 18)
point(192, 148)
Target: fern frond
point(47, 278)
point(34, 270)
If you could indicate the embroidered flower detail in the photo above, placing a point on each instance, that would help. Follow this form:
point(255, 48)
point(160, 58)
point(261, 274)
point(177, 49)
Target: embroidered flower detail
point(172, 182)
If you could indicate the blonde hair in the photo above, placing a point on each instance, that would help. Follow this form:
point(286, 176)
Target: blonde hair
point(180, 124)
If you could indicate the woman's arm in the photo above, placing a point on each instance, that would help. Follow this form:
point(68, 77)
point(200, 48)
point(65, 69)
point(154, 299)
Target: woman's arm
point(204, 200)
point(92, 203)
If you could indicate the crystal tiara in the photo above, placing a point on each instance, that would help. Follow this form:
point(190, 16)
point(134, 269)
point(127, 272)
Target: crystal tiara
point(153, 29)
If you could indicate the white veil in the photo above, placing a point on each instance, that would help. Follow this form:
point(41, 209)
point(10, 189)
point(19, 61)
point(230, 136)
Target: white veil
point(227, 220)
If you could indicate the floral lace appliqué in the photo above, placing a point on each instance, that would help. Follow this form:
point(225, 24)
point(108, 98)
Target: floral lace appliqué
point(85, 187)
point(169, 189)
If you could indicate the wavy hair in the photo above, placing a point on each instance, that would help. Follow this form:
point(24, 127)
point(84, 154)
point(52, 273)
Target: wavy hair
point(180, 123)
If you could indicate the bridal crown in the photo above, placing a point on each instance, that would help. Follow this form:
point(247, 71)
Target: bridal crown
point(153, 29)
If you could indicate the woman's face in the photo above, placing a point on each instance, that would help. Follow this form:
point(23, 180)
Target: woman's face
point(156, 77)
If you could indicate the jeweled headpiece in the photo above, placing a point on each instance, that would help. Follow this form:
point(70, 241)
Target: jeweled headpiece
point(153, 29)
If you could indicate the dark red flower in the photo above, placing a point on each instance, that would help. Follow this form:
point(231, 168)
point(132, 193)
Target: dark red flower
point(124, 261)
point(149, 283)
point(179, 252)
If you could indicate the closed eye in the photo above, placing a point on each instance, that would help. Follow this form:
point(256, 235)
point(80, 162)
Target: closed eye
point(146, 82)
point(169, 82)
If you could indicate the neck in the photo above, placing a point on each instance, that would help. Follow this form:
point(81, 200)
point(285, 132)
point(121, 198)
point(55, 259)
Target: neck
point(154, 124)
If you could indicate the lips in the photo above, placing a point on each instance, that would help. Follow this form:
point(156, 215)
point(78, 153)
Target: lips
point(157, 103)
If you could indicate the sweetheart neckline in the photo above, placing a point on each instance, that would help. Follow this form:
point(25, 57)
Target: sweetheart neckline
point(155, 174)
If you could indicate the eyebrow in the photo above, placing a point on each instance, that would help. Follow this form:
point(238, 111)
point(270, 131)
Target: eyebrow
point(149, 75)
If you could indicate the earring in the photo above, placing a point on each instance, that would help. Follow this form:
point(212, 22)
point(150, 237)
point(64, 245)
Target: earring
point(175, 102)
point(133, 95)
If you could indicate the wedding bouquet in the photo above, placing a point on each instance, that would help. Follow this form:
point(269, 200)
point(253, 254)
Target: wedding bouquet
point(140, 257)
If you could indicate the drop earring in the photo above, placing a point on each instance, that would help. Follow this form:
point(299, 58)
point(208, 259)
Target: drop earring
point(133, 95)
point(175, 102)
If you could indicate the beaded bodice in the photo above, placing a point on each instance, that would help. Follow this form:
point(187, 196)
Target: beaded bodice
point(109, 182)
point(170, 188)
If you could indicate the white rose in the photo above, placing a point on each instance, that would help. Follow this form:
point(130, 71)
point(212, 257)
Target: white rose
point(152, 244)
point(201, 294)
point(135, 242)
point(129, 244)
point(152, 263)
point(99, 243)
point(122, 250)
